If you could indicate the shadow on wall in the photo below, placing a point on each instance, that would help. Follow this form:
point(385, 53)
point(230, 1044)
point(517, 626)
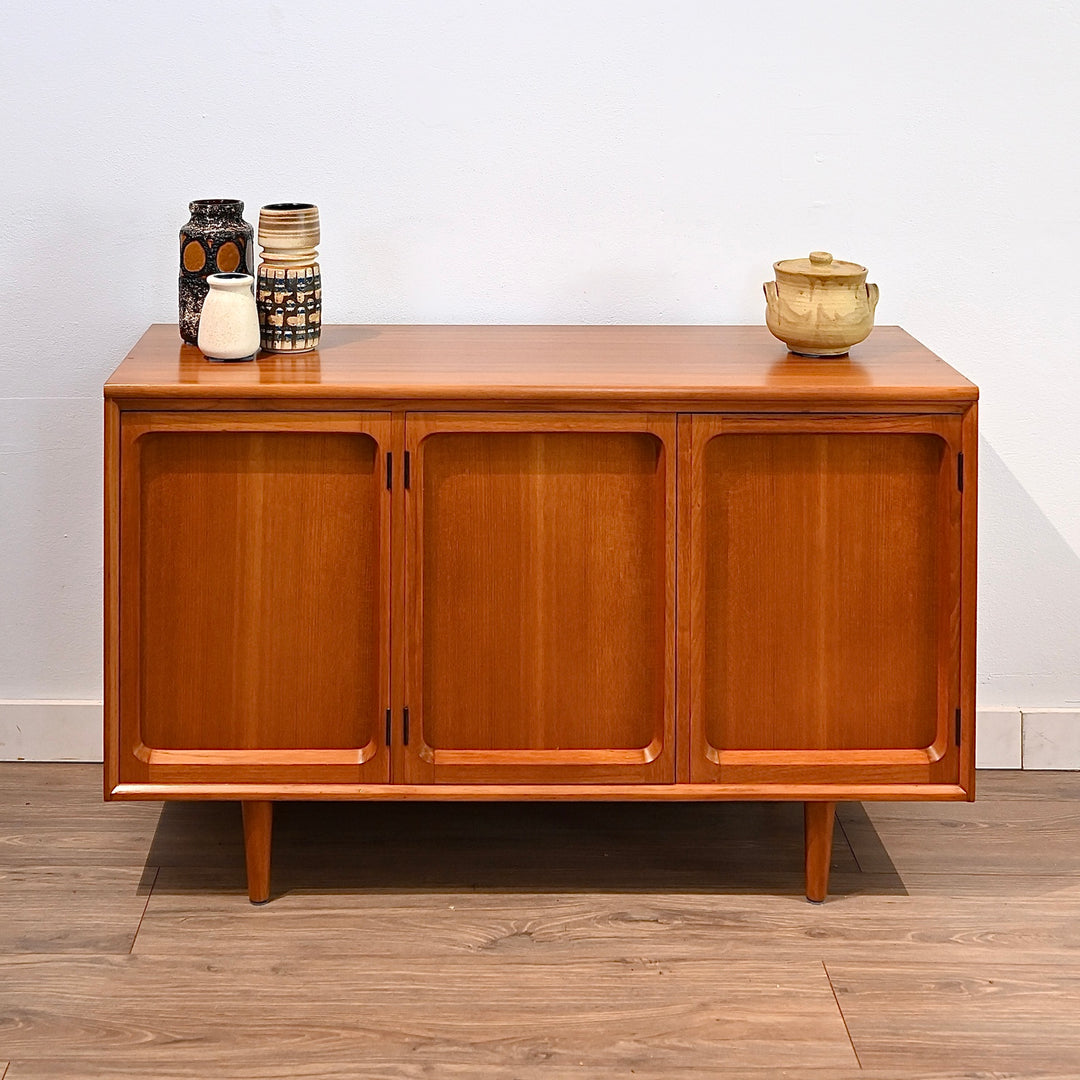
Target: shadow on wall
point(1029, 597)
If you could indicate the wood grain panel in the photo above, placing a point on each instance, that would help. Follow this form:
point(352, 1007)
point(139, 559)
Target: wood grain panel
point(259, 557)
point(873, 918)
point(543, 570)
point(111, 596)
point(256, 567)
point(1015, 837)
point(495, 790)
point(969, 597)
point(543, 590)
point(1038, 785)
point(984, 1014)
point(592, 367)
point(823, 596)
point(71, 909)
point(305, 1065)
point(476, 1011)
point(52, 815)
point(821, 591)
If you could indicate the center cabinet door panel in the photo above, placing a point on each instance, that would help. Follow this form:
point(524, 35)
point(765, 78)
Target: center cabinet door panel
point(821, 609)
point(540, 583)
point(255, 571)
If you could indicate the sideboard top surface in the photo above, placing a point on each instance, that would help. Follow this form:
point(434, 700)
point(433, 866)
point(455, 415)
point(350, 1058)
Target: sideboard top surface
point(601, 366)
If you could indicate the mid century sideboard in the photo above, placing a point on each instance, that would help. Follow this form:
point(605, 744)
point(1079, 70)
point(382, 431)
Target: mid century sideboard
point(540, 562)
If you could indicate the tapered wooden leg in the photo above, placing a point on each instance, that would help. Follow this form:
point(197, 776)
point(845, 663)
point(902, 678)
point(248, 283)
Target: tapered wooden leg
point(258, 819)
point(818, 818)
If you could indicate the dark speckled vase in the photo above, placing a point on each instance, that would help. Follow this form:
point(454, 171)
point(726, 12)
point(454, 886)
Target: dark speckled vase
point(217, 240)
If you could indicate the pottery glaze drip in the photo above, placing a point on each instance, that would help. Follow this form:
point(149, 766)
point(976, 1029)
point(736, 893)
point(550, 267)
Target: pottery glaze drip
point(820, 306)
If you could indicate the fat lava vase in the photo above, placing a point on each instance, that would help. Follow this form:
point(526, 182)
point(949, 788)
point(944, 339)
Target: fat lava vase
point(216, 240)
point(288, 289)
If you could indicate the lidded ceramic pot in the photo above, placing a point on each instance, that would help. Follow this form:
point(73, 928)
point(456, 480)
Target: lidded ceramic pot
point(820, 306)
point(289, 284)
point(229, 326)
point(216, 240)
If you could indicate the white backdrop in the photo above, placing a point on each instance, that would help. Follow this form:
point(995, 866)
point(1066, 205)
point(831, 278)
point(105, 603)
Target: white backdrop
point(585, 161)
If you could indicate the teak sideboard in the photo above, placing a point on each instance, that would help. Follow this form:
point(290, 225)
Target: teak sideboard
point(540, 562)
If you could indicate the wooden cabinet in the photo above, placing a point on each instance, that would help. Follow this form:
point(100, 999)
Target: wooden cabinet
point(540, 562)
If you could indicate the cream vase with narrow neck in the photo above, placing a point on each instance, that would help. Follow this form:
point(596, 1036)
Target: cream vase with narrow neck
point(229, 325)
point(289, 289)
point(820, 306)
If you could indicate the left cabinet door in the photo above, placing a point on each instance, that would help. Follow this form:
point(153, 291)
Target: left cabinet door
point(251, 578)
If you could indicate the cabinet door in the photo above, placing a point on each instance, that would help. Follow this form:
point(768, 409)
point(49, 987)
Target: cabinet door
point(540, 598)
point(253, 598)
point(822, 607)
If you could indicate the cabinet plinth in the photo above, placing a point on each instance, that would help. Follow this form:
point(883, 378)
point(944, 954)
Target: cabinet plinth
point(540, 562)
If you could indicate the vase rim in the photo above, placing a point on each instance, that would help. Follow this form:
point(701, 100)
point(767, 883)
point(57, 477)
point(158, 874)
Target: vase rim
point(230, 278)
point(290, 206)
point(206, 205)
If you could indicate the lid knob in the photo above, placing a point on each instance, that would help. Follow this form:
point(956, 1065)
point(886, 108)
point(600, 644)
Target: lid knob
point(820, 258)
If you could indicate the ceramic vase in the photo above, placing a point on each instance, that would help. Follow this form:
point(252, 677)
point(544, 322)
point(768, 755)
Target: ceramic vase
point(289, 285)
point(229, 326)
point(216, 240)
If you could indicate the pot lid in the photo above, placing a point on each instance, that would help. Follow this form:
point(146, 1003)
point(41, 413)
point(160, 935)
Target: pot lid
point(820, 265)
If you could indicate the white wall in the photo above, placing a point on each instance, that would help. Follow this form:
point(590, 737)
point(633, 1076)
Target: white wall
point(586, 161)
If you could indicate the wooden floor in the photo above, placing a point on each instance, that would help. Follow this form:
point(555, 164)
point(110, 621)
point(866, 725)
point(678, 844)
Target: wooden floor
point(522, 942)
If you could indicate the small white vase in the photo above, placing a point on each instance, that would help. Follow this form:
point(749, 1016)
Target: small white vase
point(229, 325)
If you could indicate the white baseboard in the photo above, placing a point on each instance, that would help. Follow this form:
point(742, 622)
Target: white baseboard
point(1012, 738)
point(999, 738)
point(50, 730)
point(1051, 739)
point(1005, 738)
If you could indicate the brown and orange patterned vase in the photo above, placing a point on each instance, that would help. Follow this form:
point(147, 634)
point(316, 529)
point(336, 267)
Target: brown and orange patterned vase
point(288, 288)
point(216, 240)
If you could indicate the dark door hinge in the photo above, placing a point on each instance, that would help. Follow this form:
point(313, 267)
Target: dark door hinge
point(405, 726)
point(957, 727)
point(406, 470)
point(389, 731)
point(389, 470)
point(960, 471)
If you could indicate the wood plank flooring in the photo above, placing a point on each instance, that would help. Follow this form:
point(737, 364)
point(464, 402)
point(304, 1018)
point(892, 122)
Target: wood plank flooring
point(532, 941)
